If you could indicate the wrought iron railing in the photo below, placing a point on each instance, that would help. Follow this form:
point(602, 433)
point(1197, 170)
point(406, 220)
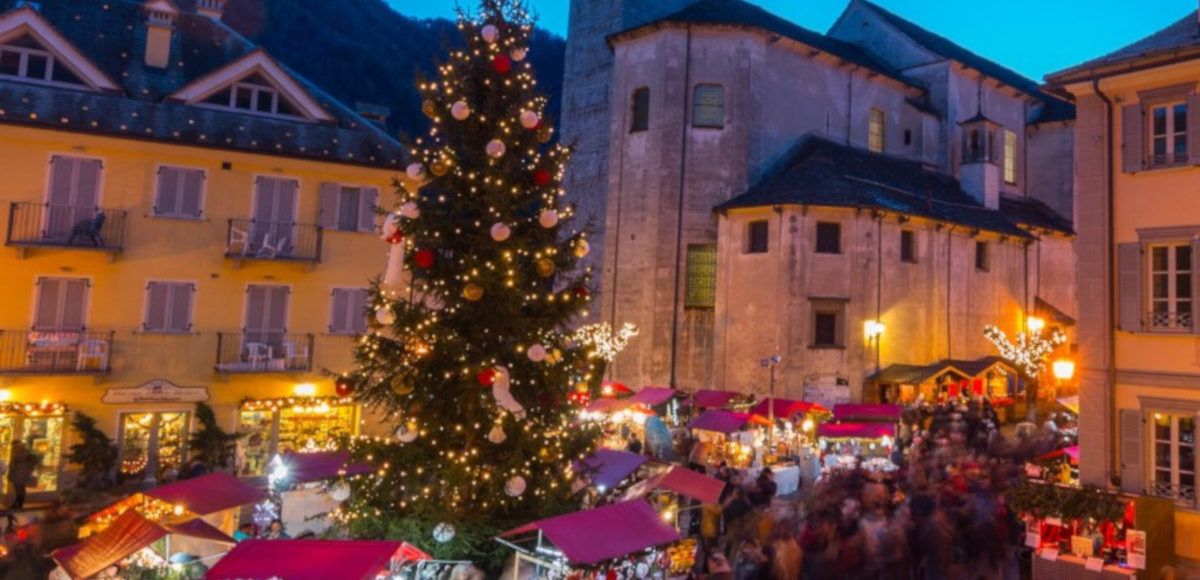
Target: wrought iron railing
point(1171, 158)
point(1184, 494)
point(254, 239)
point(66, 226)
point(1170, 320)
point(263, 351)
point(55, 352)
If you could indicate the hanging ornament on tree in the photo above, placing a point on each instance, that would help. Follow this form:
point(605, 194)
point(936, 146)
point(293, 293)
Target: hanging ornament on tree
point(515, 486)
point(502, 64)
point(548, 218)
point(486, 377)
point(500, 232)
point(496, 435)
point(385, 316)
point(502, 394)
point(339, 492)
point(545, 268)
point(429, 108)
point(472, 292)
point(410, 210)
point(582, 248)
point(439, 167)
point(542, 177)
point(407, 433)
point(423, 259)
point(401, 386)
point(490, 33)
point(443, 532)
point(545, 134)
point(415, 171)
point(344, 388)
point(581, 291)
point(518, 54)
point(496, 148)
point(460, 110)
point(392, 274)
point(536, 353)
point(530, 119)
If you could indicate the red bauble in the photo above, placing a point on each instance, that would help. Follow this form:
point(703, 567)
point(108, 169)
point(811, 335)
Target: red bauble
point(502, 64)
point(541, 177)
point(424, 258)
point(581, 291)
point(395, 238)
point(344, 388)
point(486, 377)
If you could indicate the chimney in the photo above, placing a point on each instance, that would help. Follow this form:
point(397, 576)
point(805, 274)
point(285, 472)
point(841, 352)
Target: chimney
point(210, 8)
point(160, 25)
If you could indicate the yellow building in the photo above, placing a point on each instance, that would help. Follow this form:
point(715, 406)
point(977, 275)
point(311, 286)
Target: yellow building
point(1137, 147)
point(186, 220)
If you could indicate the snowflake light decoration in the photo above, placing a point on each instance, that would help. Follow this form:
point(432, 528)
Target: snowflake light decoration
point(603, 342)
point(1029, 351)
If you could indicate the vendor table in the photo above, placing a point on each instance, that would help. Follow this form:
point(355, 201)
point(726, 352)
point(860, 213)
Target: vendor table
point(787, 478)
point(1068, 567)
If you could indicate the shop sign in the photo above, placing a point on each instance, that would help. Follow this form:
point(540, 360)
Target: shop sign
point(155, 391)
point(1135, 549)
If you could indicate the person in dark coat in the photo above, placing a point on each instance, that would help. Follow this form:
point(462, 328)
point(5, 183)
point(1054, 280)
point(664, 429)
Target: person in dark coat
point(20, 472)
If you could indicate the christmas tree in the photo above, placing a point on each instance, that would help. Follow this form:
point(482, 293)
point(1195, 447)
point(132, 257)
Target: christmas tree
point(470, 355)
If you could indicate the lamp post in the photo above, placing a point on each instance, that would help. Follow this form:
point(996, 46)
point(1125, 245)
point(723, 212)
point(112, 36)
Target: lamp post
point(771, 362)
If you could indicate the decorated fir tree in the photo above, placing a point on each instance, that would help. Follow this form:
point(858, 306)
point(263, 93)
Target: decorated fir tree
point(470, 355)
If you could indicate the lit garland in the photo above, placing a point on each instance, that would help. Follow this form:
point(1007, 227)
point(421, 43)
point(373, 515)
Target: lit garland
point(605, 344)
point(32, 409)
point(310, 405)
point(1029, 352)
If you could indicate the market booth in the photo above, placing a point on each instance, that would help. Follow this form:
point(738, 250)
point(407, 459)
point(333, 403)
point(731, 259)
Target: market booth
point(605, 469)
point(305, 501)
point(625, 539)
point(315, 560)
point(720, 436)
point(710, 399)
point(217, 498)
point(843, 443)
point(129, 538)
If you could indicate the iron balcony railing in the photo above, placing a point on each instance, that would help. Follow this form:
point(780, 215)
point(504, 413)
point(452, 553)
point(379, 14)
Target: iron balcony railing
point(1183, 494)
point(55, 352)
point(263, 351)
point(1160, 320)
point(254, 239)
point(65, 226)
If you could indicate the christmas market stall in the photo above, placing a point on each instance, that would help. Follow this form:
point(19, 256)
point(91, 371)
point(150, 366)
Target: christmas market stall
point(1059, 466)
point(133, 538)
point(850, 445)
point(677, 490)
point(305, 496)
point(720, 436)
point(317, 560)
point(605, 469)
point(627, 539)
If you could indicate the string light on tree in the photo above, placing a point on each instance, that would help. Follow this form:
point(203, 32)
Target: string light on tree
point(605, 345)
point(1028, 354)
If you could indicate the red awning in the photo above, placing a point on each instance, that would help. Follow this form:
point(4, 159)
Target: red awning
point(310, 467)
point(786, 408)
point(612, 387)
point(608, 405)
point(593, 536)
point(1071, 452)
point(651, 396)
point(683, 481)
point(308, 560)
point(208, 494)
point(607, 467)
point(127, 534)
point(704, 398)
point(865, 412)
point(856, 430)
point(719, 421)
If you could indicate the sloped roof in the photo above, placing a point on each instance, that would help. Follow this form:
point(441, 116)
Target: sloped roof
point(820, 172)
point(112, 35)
point(740, 13)
point(597, 535)
point(209, 494)
point(311, 559)
point(127, 534)
point(1182, 34)
point(1032, 212)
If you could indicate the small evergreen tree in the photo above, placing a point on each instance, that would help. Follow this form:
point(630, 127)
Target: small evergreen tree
point(95, 454)
point(211, 445)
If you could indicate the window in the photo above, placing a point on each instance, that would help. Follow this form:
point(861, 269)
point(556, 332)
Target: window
point(169, 307)
point(1010, 157)
point(269, 431)
point(828, 318)
point(708, 106)
point(1173, 457)
point(981, 257)
point(180, 192)
point(701, 288)
point(907, 137)
point(151, 444)
point(908, 242)
point(875, 131)
point(348, 208)
point(254, 94)
point(72, 197)
point(1171, 287)
point(757, 233)
point(976, 145)
point(26, 59)
point(1168, 134)
point(266, 315)
point(61, 304)
point(641, 110)
point(829, 238)
point(346, 311)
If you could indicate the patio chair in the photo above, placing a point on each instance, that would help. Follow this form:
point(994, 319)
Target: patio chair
point(295, 351)
point(258, 353)
point(238, 237)
point(88, 229)
point(92, 349)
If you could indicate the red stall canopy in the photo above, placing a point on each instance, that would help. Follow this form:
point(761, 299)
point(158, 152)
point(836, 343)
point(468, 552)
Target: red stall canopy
point(786, 408)
point(310, 559)
point(310, 467)
point(705, 398)
point(607, 467)
point(720, 421)
point(683, 481)
point(208, 494)
point(651, 396)
point(866, 412)
point(1071, 452)
point(593, 536)
point(607, 405)
point(127, 534)
point(856, 430)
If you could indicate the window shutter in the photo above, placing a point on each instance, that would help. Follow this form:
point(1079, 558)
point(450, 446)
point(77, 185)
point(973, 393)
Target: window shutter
point(358, 306)
point(367, 201)
point(1195, 287)
point(46, 317)
point(339, 307)
point(87, 191)
point(167, 203)
point(277, 304)
point(1132, 138)
point(157, 296)
point(74, 303)
point(256, 307)
point(1132, 468)
point(1129, 286)
point(286, 211)
point(181, 307)
point(328, 213)
point(192, 192)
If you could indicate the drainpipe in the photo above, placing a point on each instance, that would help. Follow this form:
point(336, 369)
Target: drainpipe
point(878, 297)
point(850, 103)
point(949, 298)
point(687, 81)
point(1111, 408)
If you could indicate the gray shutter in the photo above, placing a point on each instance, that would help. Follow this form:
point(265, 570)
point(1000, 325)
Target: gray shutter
point(1195, 286)
point(339, 306)
point(192, 193)
point(1193, 113)
point(87, 190)
point(357, 314)
point(157, 296)
point(1129, 287)
point(328, 213)
point(181, 307)
point(256, 307)
point(58, 198)
point(286, 215)
point(1133, 139)
point(1132, 466)
point(277, 307)
point(167, 203)
point(368, 198)
point(74, 304)
point(49, 291)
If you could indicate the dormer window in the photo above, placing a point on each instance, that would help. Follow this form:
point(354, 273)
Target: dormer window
point(978, 133)
point(26, 59)
point(253, 94)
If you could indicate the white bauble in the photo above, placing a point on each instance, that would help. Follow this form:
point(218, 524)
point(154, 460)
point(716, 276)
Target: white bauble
point(340, 492)
point(536, 353)
point(582, 249)
point(460, 110)
point(500, 231)
point(496, 435)
point(515, 486)
point(415, 171)
point(406, 435)
point(410, 210)
point(530, 119)
point(518, 54)
point(443, 532)
point(490, 33)
point(496, 148)
point(385, 316)
point(548, 218)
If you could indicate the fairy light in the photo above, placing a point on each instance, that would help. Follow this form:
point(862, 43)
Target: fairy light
point(605, 344)
point(1028, 353)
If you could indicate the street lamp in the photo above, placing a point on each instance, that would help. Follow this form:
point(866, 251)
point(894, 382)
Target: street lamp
point(1064, 369)
point(1035, 324)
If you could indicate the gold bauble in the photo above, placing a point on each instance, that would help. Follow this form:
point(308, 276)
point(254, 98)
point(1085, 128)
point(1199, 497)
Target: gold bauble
point(439, 168)
point(472, 292)
point(545, 268)
point(401, 386)
point(545, 134)
point(429, 108)
point(582, 248)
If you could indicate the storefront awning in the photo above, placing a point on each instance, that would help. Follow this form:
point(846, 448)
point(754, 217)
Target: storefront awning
point(708, 399)
point(786, 408)
point(651, 396)
point(208, 494)
point(127, 534)
point(311, 559)
point(1071, 403)
point(310, 467)
point(682, 481)
point(594, 536)
point(856, 430)
point(866, 412)
point(1071, 452)
point(607, 467)
point(719, 421)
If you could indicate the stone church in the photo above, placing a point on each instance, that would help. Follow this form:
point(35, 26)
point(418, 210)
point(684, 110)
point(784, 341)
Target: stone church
point(860, 202)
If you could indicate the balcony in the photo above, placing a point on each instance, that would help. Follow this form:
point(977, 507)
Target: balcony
point(252, 239)
point(46, 225)
point(37, 352)
point(1164, 321)
point(263, 352)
